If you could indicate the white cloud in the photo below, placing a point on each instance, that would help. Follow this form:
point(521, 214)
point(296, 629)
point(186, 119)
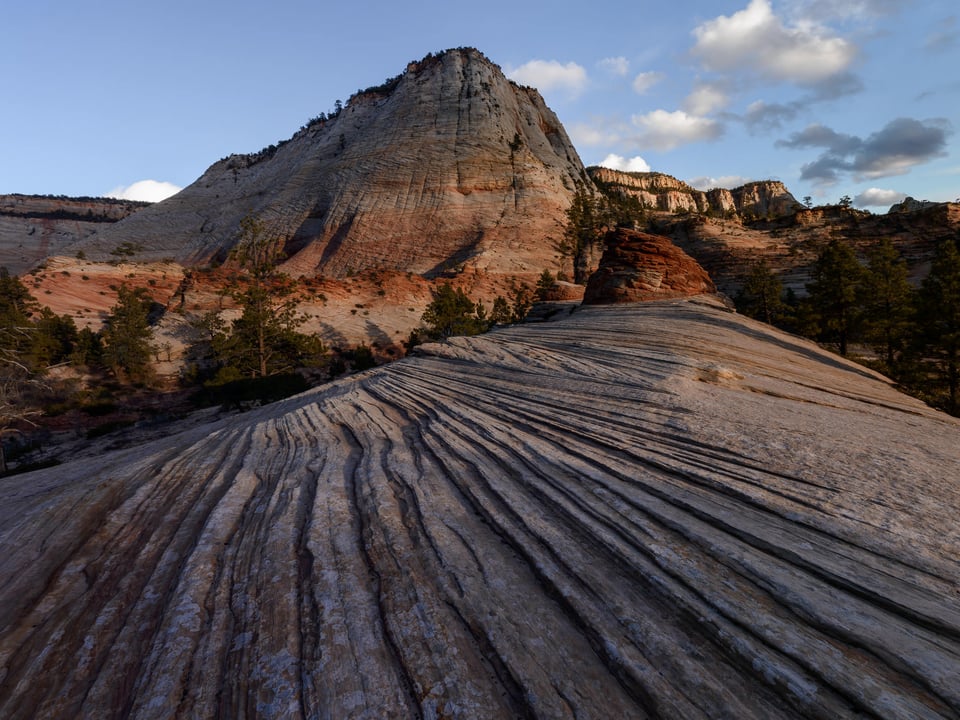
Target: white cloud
point(662, 130)
point(618, 162)
point(145, 190)
point(754, 39)
point(616, 65)
point(593, 134)
point(724, 181)
point(705, 99)
point(547, 75)
point(876, 197)
point(645, 80)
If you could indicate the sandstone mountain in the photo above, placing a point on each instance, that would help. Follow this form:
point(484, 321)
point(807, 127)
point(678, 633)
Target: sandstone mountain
point(447, 165)
point(658, 510)
point(34, 227)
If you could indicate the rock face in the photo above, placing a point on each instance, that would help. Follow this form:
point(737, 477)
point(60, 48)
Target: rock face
point(789, 245)
point(448, 165)
point(34, 227)
point(659, 510)
point(663, 192)
point(637, 266)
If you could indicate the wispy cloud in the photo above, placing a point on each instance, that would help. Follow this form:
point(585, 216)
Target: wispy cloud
point(548, 75)
point(662, 130)
point(616, 65)
point(945, 37)
point(145, 190)
point(893, 150)
point(646, 80)
point(724, 181)
point(875, 197)
point(705, 98)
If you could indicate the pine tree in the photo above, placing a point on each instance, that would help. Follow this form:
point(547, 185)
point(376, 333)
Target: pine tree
point(886, 299)
point(264, 340)
point(452, 313)
point(127, 335)
point(581, 232)
point(833, 293)
point(760, 296)
point(939, 318)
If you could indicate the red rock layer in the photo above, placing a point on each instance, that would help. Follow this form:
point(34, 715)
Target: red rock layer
point(637, 266)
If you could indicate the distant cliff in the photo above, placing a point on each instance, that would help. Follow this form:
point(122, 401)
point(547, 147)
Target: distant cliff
point(33, 227)
point(658, 191)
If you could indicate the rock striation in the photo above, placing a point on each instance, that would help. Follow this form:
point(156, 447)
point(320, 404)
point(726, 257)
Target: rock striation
point(637, 266)
point(658, 191)
point(448, 165)
point(656, 510)
point(727, 248)
point(34, 227)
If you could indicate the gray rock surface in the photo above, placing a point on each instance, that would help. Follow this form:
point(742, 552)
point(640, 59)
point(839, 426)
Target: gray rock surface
point(658, 510)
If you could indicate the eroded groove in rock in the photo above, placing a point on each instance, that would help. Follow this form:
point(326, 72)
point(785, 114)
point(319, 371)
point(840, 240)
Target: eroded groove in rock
point(638, 511)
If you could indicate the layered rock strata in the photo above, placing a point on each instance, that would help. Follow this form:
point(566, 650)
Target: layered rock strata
point(449, 165)
point(658, 191)
point(34, 227)
point(637, 266)
point(658, 510)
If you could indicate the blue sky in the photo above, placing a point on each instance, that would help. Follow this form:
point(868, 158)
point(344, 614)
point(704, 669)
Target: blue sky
point(832, 97)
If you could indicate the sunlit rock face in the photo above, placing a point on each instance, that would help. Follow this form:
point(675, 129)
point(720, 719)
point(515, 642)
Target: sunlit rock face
point(653, 510)
point(449, 165)
point(638, 266)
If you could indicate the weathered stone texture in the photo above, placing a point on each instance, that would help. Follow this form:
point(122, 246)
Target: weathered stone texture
point(637, 266)
point(658, 510)
point(454, 166)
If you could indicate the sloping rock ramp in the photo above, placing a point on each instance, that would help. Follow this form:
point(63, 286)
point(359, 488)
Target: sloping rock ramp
point(640, 511)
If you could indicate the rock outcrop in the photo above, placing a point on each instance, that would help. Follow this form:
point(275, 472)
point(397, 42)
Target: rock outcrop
point(34, 227)
point(449, 165)
point(789, 245)
point(637, 266)
point(662, 192)
point(657, 510)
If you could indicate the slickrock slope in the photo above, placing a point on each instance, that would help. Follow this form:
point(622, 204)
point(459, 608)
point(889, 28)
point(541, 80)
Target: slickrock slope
point(637, 266)
point(658, 510)
point(449, 164)
point(33, 227)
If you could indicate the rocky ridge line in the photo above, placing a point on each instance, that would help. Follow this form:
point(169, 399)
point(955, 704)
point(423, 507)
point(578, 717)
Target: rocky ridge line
point(659, 191)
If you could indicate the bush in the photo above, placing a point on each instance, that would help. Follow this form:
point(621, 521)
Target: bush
point(247, 391)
